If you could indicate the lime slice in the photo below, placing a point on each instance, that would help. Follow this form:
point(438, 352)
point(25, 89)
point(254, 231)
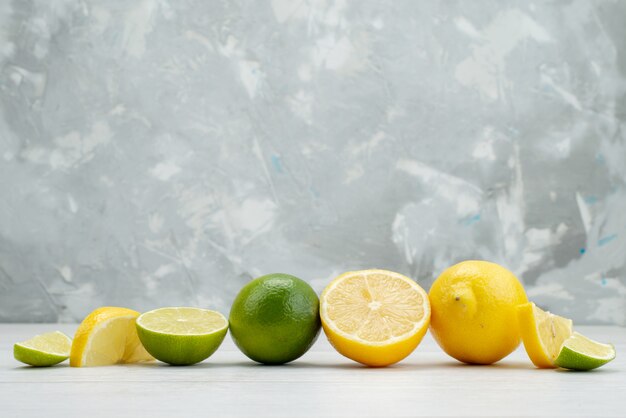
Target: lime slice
point(43, 350)
point(181, 336)
point(581, 353)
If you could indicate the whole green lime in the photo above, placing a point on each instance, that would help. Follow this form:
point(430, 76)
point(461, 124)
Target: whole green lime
point(275, 318)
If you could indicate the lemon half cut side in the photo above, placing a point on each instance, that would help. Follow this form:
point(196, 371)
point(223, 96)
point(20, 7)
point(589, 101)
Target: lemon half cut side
point(374, 317)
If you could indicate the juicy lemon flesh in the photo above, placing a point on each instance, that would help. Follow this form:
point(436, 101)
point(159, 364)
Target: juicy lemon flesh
point(110, 343)
point(183, 321)
point(553, 331)
point(374, 317)
point(543, 334)
point(108, 336)
point(375, 308)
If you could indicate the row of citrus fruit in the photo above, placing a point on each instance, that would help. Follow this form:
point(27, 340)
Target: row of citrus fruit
point(477, 312)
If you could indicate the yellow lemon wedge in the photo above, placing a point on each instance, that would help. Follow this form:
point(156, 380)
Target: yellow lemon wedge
point(374, 317)
point(108, 336)
point(543, 334)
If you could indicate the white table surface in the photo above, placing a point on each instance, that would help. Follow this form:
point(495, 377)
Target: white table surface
point(321, 383)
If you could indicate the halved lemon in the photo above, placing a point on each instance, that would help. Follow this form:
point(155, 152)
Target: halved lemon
point(543, 334)
point(374, 317)
point(108, 336)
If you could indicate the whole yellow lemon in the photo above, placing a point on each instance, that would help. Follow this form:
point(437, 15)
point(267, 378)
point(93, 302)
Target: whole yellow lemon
point(473, 311)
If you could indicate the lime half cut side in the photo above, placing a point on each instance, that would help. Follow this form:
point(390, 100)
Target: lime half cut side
point(581, 353)
point(43, 350)
point(181, 336)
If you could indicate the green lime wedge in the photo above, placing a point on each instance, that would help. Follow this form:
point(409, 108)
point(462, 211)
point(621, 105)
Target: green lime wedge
point(580, 353)
point(181, 336)
point(43, 350)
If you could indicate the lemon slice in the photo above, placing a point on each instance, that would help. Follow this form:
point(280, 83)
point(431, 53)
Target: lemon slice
point(108, 336)
point(581, 353)
point(181, 336)
point(543, 334)
point(375, 317)
point(43, 350)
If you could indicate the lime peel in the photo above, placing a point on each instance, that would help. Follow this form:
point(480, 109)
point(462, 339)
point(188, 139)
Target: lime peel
point(274, 319)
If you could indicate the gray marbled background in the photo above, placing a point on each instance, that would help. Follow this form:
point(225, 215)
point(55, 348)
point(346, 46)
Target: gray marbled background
point(164, 152)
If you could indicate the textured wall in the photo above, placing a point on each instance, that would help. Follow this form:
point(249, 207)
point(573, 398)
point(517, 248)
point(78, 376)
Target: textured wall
point(163, 152)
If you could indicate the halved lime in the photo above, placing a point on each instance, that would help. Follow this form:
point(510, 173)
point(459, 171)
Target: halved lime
point(43, 350)
point(581, 353)
point(181, 336)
